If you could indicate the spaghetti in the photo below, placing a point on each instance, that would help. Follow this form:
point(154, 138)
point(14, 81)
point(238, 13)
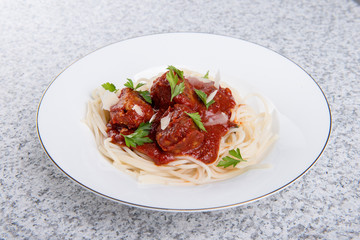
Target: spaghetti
point(246, 130)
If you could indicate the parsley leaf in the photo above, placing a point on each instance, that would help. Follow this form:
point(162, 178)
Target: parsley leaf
point(145, 95)
point(177, 71)
point(139, 136)
point(173, 77)
point(236, 153)
point(139, 85)
point(178, 90)
point(228, 161)
point(109, 86)
point(130, 84)
point(206, 75)
point(203, 97)
point(197, 120)
point(209, 103)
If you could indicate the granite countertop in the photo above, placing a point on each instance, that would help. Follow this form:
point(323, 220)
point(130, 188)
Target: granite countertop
point(38, 39)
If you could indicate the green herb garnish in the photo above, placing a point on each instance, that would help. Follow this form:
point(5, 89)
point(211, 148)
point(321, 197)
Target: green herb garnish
point(109, 86)
point(228, 161)
point(197, 120)
point(130, 84)
point(206, 75)
point(173, 77)
point(203, 98)
point(177, 71)
point(144, 94)
point(138, 137)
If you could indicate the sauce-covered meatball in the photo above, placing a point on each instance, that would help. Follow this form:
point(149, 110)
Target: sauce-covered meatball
point(161, 94)
point(131, 110)
point(181, 134)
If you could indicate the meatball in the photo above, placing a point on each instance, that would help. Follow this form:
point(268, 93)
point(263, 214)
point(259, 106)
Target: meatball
point(131, 110)
point(181, 134)
point(188, 97)
point(161, 94)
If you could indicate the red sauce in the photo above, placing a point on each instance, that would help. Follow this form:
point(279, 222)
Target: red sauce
point(181, 137)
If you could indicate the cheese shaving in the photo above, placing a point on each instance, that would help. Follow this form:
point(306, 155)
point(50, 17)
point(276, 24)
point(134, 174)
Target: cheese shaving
point(211, 96)
point(138, 110)
point(164, 122)
point(219, 118)
point(152, 118)
point(217, 79)
point(108, 99)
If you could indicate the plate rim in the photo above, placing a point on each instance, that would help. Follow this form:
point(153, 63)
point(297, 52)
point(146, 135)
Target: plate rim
point(180, 209)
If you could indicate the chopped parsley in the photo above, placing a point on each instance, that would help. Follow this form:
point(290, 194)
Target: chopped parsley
point(206, 75)
point(130, 84)
point(173, 77)
point(197, 120)
point(203, 98)
point(177, 71)
point(228, 161)
point(109, 86)
point(139, 137)
point(144, 94)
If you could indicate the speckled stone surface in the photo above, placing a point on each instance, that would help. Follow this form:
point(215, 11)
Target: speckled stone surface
point(38, 39)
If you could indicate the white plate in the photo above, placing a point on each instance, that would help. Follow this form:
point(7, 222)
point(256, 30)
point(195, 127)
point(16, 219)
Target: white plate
point(301, 112)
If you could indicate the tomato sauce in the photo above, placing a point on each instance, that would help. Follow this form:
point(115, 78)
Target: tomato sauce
point(182, 137)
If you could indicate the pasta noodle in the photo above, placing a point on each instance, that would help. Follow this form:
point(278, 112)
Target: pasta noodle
point(253, 137)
